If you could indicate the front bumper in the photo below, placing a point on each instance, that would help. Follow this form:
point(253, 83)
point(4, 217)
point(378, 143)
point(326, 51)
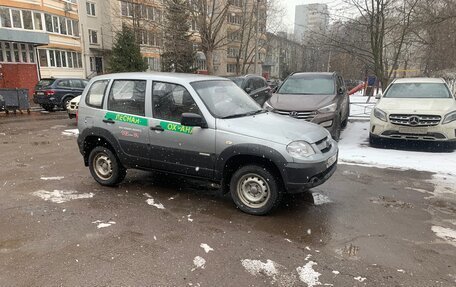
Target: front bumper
point(299, 177)
point(440, 132)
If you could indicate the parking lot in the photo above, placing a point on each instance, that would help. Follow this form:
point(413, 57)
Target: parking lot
point(366, 226)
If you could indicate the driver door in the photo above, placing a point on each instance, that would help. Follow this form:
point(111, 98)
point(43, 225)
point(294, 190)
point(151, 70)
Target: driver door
point(177, 148)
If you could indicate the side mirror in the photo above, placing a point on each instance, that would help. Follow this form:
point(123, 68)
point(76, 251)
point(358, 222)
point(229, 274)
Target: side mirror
point(248, 90)
point(378, 96)
point(341, 91)
point(193, 120)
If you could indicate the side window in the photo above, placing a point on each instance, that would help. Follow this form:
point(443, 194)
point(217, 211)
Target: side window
point(128, 96)
point(84, 83)
point(95, 94)
point(250, 84)
point(64, 84)
point(170, 101)
point(258, 83)
point(76, 84)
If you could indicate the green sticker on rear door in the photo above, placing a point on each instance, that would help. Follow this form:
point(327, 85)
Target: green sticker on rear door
point(176, 128)
point(127, 118)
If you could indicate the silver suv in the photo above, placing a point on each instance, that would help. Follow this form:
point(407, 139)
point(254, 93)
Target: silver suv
point(204, 127)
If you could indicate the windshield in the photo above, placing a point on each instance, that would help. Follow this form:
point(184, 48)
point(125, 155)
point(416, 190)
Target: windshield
point(418, 90)
point(44, 83)
point(225, 99)
point(308, 85)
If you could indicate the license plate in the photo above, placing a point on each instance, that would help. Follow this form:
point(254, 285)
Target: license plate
point(331, 160)
point(40, 93)
point(413, 130)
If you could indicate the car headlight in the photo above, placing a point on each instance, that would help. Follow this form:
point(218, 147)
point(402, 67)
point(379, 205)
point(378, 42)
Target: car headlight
point(328, 109)
point(449, 118)
point(379, 114)
point(300, 149)
point(267, 106)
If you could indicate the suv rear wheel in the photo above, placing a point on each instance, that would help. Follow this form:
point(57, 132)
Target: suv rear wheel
point(65, 103)
point(105, 167)
point(255, 190)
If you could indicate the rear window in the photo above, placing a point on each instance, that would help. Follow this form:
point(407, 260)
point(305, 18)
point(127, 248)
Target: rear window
point(237, 81)
point(308, 85)
point(418, 90)
point(44, 83)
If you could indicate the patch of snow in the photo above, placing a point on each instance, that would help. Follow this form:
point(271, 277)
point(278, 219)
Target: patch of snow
point(199, 262)
point(401, 270)
point(102, 224)
point(189, 218)
point(308, 257)
point(288, 240)
point(155, 237)
point(360, 279)
point(61, 196)
point(354, 149)
point(320, 199)
point(151, 201)
point(52, 178)
point(447, 234)
point(307, 248)
point(71, 132)
point(256, 267)
point(444, 186)
point(2, 134)
point(309, 231)
point(206, 247)
point(336, 272)
point(147, 195)
point(308, 275)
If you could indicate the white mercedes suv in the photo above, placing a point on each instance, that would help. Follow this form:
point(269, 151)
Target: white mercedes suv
point(415, 109)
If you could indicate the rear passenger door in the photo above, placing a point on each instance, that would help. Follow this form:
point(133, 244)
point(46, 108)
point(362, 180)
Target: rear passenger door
point(261, 90)
point(63, 88)
point(77, 86)
point(125, 119)
point(177, 148)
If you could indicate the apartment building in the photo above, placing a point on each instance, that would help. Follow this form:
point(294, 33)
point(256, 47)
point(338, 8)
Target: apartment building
point(38, 38)
point(310, 20)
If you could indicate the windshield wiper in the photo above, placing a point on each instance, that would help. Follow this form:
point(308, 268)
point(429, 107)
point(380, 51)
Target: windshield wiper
point(244, 114)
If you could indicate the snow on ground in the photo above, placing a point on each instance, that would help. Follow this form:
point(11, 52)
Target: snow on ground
point(52, 178)
point(256, 267)
point(308, 275)
point(206, 247)
point(102, 224)
point(151, 201)
point(354, 149)
point(71, 132)
point(320, 199)
point(61, 196)
point(199, 262)
point(447, 234)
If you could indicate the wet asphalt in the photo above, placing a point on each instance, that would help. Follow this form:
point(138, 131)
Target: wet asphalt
point(375, 231)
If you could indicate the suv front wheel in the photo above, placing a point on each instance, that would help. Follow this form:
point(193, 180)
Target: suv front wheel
point(255, 190)
point(105, 167)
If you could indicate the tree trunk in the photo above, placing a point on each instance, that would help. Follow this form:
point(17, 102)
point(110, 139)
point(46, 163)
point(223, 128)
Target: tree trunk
point(209, 61)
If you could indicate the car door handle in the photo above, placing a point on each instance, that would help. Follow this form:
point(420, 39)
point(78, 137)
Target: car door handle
point(109, 121)
point(157, 128)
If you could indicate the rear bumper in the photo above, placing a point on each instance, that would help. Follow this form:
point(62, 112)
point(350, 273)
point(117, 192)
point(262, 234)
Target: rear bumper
point(45, 100)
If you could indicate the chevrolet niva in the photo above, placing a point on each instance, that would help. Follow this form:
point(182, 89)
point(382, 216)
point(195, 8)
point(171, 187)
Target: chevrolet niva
point(204, 127)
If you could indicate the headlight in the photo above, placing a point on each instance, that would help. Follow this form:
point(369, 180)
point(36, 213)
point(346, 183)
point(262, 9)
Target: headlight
point(379, 114)
point(267, 106)
point(300, 149)
point(328, 109)
point(449, 118)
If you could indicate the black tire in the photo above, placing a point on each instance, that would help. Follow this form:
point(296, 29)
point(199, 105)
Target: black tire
point(48, 108)
point(337, 128)
point(115, 172)
point(260, 178)
point(374, 140)
point(65, 103)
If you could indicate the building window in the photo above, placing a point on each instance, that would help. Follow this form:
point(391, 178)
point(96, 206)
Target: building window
point(153, 63)
point(231, 68)
point(55, 24)
point(48, 22)
point(37, 21)
point(92, 64)
point(70, 59)
point(24, 53)
point(16, 52)
point(234, 19)
point(64, 60)
point(237, 3)
point(150, 13)
point(58, 59)
point(16, 14)
point(93, 37)
point(31, 54)
point(42, 55)
point(90, 8)
point(5, 18)
point(123, 8)
point(76, 28)
point(232, 52)
point(51, 58)
point(27, 18)
point(70, 26)
point(234, 36)
point(63, 29)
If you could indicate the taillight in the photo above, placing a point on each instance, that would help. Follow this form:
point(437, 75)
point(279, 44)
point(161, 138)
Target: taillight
point(49, 92)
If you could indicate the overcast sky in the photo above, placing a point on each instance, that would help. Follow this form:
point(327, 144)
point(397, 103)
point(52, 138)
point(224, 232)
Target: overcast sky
point(290, 7)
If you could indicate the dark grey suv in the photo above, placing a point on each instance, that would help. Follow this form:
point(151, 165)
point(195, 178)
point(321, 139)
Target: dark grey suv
point(255, 86)
point(320, 98)
point(57, 92)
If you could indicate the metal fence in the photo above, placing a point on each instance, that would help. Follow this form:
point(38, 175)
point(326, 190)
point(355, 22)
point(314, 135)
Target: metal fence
point(14, 99)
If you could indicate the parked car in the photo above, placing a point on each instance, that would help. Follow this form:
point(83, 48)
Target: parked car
point(72, 107)
point(2, 103)
point(204, 127)
point(255, 86)
point(273, 84)
point(57, 92)
point(415, 109)
point(319, 98)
